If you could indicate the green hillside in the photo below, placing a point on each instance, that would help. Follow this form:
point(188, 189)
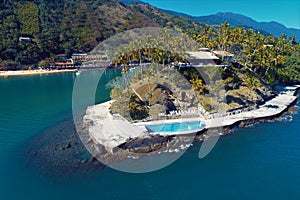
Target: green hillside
point(28, 17)
point(68, 26)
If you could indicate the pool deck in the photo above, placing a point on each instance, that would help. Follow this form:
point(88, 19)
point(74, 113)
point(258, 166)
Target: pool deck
point(106, 129)
point(112, 130)
point(271, 108)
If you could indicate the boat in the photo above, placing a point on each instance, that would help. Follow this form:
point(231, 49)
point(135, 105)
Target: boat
point(77, 73)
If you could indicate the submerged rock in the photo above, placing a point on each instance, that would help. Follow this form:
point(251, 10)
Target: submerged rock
point(59, 151)
point(146, 145)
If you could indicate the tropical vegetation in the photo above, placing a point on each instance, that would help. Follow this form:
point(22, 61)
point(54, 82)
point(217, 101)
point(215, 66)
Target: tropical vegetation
point(33, 32)
point(260, 62)
point(70, 26)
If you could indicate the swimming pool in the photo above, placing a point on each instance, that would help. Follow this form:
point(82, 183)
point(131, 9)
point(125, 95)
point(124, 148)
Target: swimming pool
point(175, 127)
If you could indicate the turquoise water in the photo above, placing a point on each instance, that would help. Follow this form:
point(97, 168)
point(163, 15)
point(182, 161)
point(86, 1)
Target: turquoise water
point(174, 127)
point(260, 162)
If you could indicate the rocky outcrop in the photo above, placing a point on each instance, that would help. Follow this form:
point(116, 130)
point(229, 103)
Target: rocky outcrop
point(146, 145)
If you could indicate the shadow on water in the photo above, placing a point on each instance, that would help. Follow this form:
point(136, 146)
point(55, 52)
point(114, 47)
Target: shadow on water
point(58, 152)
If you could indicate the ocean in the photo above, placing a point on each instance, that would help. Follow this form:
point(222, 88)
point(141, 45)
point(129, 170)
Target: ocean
point(258, 162)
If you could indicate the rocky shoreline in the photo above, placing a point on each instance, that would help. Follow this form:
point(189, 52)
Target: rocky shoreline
point(59, 150)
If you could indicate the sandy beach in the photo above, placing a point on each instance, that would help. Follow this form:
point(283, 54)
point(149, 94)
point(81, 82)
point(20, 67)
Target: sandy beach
point(7, 74)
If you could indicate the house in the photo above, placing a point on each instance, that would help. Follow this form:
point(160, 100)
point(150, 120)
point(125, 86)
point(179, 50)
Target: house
point(79, 57)
point(25, 39)
point(268, 45)
point(66, 64)
point(203, 57)
point(62, 62)
point(85, 57)
point(91, 60)
point(224, 56)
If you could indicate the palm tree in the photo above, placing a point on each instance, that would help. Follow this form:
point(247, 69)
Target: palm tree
point(140, 52)
point(293, 40)
point(269, 40)
point(125, 70)
point(252, 83)
point(149, 74)
point(223, 35)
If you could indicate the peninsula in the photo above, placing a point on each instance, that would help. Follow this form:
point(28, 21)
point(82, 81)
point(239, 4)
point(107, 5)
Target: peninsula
point(112, 131)
point(226, 78)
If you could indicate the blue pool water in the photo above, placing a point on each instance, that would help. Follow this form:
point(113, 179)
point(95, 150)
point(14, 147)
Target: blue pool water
point(175, 127)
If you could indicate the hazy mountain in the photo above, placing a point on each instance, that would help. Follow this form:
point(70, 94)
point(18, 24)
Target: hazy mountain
point(235, 20)
point(274, 28)
point(130, 1)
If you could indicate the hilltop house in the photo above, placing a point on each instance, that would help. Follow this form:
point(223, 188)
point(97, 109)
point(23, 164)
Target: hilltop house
point(25, 39)
point(203, 57)
point(62, 62)
point(79, 57)
point(85, 57)
point(88, 60)
point(224, 56)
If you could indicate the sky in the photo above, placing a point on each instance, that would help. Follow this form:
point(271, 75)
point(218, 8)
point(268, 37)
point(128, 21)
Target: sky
point(286, 12)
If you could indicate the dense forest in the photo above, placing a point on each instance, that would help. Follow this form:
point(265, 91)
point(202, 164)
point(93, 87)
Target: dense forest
point(259, 63)
point(274, 59)
point(50, 27)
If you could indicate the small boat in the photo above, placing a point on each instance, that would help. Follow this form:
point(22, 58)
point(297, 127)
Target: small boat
point(77, 73)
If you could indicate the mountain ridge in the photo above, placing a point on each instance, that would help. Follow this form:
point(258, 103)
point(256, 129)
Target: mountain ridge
point(273, 27)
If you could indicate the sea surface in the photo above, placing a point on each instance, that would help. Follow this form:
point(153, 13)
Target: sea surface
point(258, 162)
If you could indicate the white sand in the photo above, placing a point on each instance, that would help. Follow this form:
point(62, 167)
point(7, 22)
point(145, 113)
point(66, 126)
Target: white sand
point(7, 74)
